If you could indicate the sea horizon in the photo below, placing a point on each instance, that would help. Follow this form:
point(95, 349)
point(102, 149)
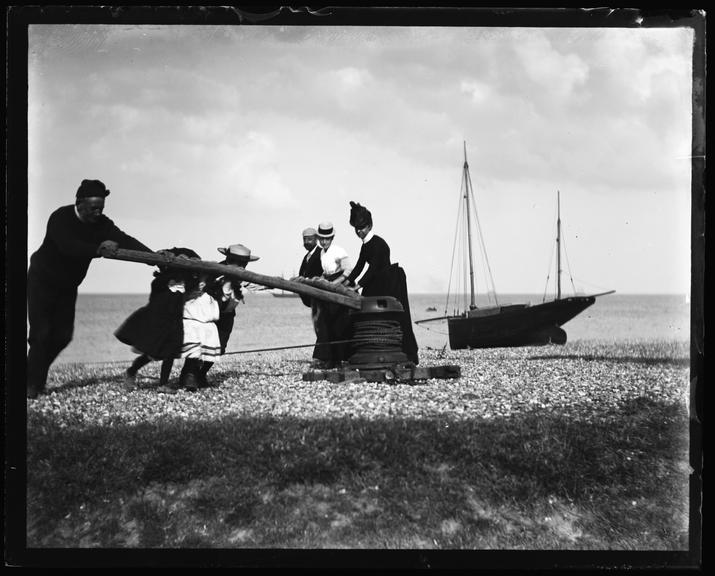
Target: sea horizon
point(264, 321)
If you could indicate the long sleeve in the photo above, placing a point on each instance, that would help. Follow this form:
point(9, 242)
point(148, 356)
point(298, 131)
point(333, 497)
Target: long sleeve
point(70, 245)
point(359, 265)
point(125, 240)
point(376, 255)
point(345, 264)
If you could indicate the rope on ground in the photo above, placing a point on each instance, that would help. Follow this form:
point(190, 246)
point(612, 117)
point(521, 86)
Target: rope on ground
point(104, 362)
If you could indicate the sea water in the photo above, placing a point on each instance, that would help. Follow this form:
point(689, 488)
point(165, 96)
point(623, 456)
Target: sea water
point(264, 321)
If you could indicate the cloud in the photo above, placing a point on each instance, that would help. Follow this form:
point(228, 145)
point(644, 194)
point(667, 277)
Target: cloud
point(478, 91)
point(205, 133)
point(556, 73)
point(351, 78)
point(251, 169)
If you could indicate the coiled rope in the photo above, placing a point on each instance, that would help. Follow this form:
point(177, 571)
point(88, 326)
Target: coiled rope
point(377, 336)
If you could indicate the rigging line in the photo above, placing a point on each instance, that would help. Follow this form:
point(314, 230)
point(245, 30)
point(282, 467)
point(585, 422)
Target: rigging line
point(489, 290)
point(458, 287)
point(468, 268)
point(592, 285)
point(548, 268)
point(566, 254)
point(548, 272)
point(546, 287)
point(456, 297)
point(458, 301)
point(432, 330)
point(486, 273)
point(484, 260)
point(481, 239)
point(466, 275)
point(454, 248)
point(464, 299)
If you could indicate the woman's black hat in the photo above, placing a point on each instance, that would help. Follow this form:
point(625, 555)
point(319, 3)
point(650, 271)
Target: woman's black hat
point(359, 215)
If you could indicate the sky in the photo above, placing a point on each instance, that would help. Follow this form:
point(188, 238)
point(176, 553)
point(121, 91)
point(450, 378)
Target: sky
point(210, 136)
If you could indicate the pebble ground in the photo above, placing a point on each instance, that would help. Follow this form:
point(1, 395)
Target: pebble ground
point(584, 379)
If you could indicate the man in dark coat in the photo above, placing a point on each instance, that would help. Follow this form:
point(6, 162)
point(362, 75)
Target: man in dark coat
point(75, 235)
point(310, 266)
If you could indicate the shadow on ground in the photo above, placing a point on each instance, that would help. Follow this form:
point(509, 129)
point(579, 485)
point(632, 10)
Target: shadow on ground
point(262, 482)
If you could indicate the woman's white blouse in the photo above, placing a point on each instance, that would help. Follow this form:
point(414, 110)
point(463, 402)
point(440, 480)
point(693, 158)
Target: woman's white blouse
point(335, 259)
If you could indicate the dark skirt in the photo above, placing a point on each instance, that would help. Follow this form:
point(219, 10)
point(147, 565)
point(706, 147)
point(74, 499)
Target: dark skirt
point(392, 281)
point(332, 325)
point(156, 329)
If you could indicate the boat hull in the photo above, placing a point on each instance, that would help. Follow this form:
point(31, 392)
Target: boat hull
point(520, 325)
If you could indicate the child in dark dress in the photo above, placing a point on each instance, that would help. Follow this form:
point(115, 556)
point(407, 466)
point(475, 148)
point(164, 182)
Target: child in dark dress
point(155, 331)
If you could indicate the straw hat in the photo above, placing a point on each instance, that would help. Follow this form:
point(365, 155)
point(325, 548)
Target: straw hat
point(237, 252)
point(325, 230)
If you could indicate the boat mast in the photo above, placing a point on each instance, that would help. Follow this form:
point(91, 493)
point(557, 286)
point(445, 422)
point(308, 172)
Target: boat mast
point(558, 245)
point(472, 303)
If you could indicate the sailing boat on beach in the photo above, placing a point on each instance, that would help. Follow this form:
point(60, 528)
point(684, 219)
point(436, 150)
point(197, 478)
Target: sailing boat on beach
point(508, 325)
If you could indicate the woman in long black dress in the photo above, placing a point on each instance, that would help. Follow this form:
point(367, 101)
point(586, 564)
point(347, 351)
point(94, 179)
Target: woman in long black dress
point(382, 278)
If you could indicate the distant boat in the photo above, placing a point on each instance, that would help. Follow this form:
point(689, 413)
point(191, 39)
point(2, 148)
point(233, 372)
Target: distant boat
point(431, 309)
point(280, 293)
point(513, 324)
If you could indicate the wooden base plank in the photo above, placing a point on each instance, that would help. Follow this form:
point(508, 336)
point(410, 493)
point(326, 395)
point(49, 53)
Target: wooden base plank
point(395, 374)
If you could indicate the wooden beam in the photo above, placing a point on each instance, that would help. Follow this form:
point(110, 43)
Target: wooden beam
point(393, 375)
point(232, 271)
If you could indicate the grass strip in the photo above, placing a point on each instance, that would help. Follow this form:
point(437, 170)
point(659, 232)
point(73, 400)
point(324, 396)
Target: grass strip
point(535, 480)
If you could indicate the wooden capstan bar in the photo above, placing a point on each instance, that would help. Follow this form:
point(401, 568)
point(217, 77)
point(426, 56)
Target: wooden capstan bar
point(326, 292)
point(378, 356)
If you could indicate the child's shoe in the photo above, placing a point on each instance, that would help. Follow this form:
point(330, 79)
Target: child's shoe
point(130, 382)
point(189, 382)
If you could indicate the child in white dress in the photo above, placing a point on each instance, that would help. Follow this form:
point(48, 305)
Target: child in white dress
point(201, 340)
